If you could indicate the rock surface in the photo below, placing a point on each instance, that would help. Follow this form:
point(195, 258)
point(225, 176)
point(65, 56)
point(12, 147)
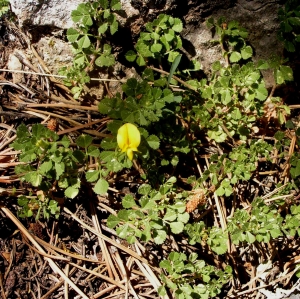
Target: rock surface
point(53, 13)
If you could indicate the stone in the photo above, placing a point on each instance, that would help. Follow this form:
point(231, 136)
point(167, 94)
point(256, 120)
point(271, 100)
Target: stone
point(53, 13)
point(14, 64)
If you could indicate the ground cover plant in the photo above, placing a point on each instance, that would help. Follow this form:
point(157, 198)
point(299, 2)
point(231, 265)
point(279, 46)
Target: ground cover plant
point(183, 187)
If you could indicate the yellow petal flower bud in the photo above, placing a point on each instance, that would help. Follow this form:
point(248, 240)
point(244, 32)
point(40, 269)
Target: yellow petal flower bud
point(129, 138)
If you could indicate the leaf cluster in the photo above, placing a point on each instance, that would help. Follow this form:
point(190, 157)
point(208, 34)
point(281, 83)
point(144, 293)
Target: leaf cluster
point(4, 7)
point(94, 20)
point(151, 217)
point(289, 32)
point(188, 277)
point(161, 38)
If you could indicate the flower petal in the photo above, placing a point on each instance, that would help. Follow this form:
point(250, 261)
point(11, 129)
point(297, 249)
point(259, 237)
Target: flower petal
point(122, 138)
point(129, 138)
point(134, 135)
point(130, 154)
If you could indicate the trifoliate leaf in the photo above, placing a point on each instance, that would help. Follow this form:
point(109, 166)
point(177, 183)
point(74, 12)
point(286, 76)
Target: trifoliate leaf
point(93, 151)
point(84, 140)
point(81, 14)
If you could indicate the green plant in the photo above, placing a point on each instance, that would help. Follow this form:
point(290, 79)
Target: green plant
point(4, 7)
point(289, 32)
point(51, 165)
point(162, 38)
point(94, 21)
point(153, 216)
point(189, 277)
point(227, 118)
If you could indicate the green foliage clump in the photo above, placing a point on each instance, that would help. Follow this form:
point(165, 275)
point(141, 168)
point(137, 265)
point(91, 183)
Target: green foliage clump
point(216, 118)
point(289, 32)
point(162, 38)
point(189, 277)
point(94, 21)
point(4, 7)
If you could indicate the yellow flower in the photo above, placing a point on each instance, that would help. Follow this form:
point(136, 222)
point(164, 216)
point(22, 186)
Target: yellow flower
point(129, 139)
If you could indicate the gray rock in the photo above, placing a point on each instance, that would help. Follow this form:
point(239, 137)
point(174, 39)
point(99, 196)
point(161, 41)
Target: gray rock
point(53, 13)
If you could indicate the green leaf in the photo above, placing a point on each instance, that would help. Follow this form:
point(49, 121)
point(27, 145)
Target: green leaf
point(173, 68)
point(122, 231)
point(159, 236)
point(156, 48)
point(235, 57)
point(45, 167)
point(172, 56)
point(249, 237)
point(112, 221)
point(177, 25)
point(287, 73)
point(170, 215)
point(106, 49)
point(246, 52)
point(84, 140)
point(115, 5)
point(93, 151)
point(113, 27)
point(176, 227)
point(92, 175)
point(78, 156)
point(144, 189)
point(130, 56)
point(84, 42)
point(34, 178)
point(72, 35)
point(81, 14)
point(128, 201)
point(153, 142)
point(71, 192)
point(104, 3)
point(59, 169)
point(279, 77)
point(140, 61)
point(184, 218)
point(102, 29)
point(105, 60)
point(101, 187)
